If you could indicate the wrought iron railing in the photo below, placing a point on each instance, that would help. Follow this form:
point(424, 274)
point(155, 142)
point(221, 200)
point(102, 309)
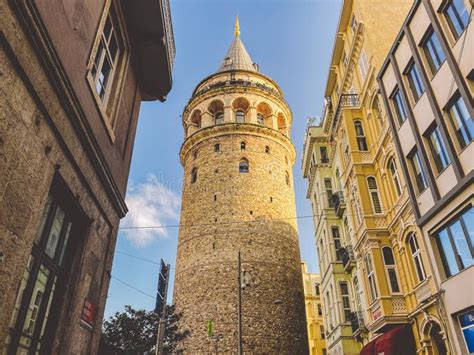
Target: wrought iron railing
point(357, 321)
point(345, 101)
point(338, 202)
point(169, 31)
point(347, 255)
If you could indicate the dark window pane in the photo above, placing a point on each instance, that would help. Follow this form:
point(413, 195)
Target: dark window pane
point(438, 150)
point(468, 219)
point(388, 256)
point(54, 233)
point(393, 280)
point(460, 240)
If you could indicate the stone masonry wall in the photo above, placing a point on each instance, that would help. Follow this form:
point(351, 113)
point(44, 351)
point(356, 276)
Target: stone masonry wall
point(223, 212)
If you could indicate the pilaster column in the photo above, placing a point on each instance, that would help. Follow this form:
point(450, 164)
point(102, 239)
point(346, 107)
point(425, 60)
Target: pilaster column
point(206, 119)
point(228, 114)
point(252, 115)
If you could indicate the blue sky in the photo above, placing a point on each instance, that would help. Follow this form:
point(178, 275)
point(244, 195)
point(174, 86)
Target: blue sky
point(292, 41)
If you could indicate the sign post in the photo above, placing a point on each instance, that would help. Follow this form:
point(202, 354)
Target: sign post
point(160, 307)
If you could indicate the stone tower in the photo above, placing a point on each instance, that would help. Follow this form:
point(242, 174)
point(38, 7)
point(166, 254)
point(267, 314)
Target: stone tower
point(238, 196)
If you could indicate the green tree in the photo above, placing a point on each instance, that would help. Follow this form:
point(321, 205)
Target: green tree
point(135, 331)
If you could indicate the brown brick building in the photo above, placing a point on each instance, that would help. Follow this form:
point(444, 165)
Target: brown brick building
point(72, 76)
point(238, 196)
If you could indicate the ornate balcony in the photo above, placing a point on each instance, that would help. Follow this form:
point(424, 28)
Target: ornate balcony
point(339, 203)
point(347, 257)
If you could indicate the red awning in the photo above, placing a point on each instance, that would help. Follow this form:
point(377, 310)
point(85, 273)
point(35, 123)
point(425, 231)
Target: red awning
point(397, 341)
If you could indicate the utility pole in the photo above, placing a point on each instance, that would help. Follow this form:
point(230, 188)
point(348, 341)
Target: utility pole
point(239, 304)
point(161, 296)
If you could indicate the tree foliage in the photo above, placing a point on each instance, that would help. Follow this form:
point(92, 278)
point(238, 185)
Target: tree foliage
point(135, 331)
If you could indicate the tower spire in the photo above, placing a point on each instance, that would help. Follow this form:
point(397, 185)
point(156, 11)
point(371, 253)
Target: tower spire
point(237, 27)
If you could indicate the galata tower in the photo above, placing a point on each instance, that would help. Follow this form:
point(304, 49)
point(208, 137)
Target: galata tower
point(238, 199)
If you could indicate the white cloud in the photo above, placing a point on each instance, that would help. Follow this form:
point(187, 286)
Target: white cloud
point(150, 204)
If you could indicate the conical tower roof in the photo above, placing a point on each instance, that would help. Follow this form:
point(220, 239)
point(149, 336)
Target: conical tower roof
point(237, 57)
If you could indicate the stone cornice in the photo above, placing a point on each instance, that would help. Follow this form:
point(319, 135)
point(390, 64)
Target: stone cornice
point(232, 128)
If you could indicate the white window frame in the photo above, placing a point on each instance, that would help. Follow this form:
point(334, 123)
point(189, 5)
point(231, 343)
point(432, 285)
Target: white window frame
point(375, 191)
point(371, 279)
point(395, 176)
point(364, 65)
point(387, 274)
point(416, 257)
point(348, 296)
point(116, 79)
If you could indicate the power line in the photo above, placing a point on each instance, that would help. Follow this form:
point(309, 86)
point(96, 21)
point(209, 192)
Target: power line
point(133, 287)
point(249, 221)
point(137, 257)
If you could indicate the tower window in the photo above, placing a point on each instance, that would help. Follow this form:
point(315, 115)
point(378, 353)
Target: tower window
point(215, 197)
point(219, 117)
point(260, 119)
point(267, 149)
point(195, 154)
point(217, 147)
point(194, 175)
point(243, 146)
point(244, 166)
point(240, 116)
point(287, 178)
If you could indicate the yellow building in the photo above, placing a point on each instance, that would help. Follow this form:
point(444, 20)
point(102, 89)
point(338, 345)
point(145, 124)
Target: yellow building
point(365, 225)
point(314, 311)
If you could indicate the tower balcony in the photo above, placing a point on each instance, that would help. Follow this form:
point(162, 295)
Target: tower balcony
point(339, 203)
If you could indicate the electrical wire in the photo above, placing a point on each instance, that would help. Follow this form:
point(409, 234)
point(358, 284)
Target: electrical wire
point(133, 287)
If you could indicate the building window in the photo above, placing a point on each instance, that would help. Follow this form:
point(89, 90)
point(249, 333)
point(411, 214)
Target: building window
point(244, 166)
point(414, 79)
point(287, 178)
point(217, 147)
point(336, 237)
point(260, 119)
point(243, 146)
point(354, 24)
point(371, 278)
point(376, 112)
point(457, 16)
point(195, 154)
point(44, 279)
point(363, 64)
point(438, 149)
point(399, 104)
point(455, 243)
point(374, 194)
point(320, 310)
point(466, 321)
point(433, 51)
point(346, 303)
point(219, 117)
point(267, 149)
point(418, 171)
point(107, 63)
point(194, 175)
point(462, 122)
point(321, 329)
point(328, 186)
point(389, 262)
point(240, 116)
point(317, 289)
point(324, 155)
point(416, 256)
point(392, 166)
point(360, 136)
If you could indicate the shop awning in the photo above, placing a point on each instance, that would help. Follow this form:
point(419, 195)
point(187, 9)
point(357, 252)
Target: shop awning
point(397, 341)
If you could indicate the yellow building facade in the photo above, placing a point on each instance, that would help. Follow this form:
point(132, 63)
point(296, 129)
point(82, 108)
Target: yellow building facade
point(368, 245)
point(314, 311)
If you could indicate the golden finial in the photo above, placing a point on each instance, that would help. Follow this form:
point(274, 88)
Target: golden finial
point(237, 27)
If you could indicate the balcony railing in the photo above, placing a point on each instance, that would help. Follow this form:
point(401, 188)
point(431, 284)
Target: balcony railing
point(347, 257)
point(346, 101)
point(357, 323)
point(339, 203)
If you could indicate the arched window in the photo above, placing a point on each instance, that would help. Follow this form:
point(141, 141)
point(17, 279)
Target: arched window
point(240, 116)
point(360, 136)
point(244, 166)
point(260, 119)
point(196, 118)
point(336, 236)
point(416, 255)
point(389, 261)
point(376, 108)
point(267, 149)
point(437, 341)
point(243, 146)
point(374, 194)
point(195, 154)
point(217, 147)
point(287, 179)
point(194, 175)
point(219, 117)
point(395, 178)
